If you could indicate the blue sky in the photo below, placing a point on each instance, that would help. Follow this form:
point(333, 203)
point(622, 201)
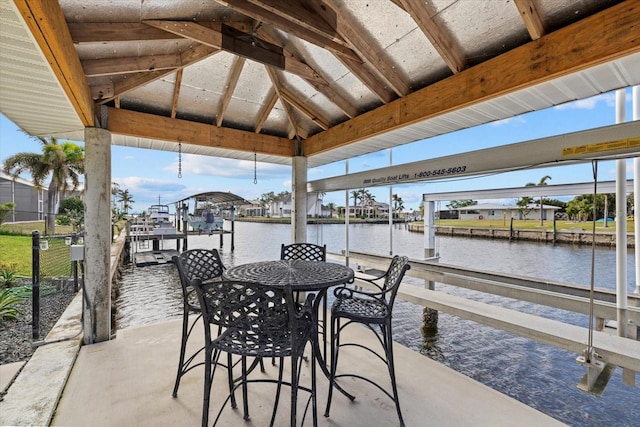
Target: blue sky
point(149, 175)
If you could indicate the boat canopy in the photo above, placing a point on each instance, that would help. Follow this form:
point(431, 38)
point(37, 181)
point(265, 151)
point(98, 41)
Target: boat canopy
point(220, 199)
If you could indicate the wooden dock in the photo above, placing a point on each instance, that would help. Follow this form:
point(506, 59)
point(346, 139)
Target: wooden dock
point(142, 259)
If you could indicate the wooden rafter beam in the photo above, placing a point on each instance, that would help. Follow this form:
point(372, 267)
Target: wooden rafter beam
point(320, 83)
point(238, 65)
point(531, 18)
point(176, 93)
point(280, 15)
point(371, 81)
point(47, 24)
point(239, 43)
point(304, 108)
point(270, 102)
point(367, 77)
point(105, 32)
point(114, 66)
point(275, 81)
point(608, 35)
point(441, 41)
point(366, 47)
point(135, 81)
point(143, 125)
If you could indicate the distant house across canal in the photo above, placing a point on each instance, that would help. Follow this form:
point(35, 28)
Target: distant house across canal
point(495, 211)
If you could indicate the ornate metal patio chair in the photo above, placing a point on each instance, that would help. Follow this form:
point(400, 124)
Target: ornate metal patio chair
point(307, 252)
point(205, 265)
point(258, 321)
point(303, 251)
point(370, 309)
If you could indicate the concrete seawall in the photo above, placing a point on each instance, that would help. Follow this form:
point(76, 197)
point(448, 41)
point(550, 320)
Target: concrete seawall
point(574, 237)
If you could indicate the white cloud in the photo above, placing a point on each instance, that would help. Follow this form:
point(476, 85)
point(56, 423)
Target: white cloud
point(227, 168)
point(589, 103)
point(509, 121)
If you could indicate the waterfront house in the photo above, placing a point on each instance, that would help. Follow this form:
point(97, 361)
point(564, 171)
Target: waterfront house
point(30, 202)
point(495, 211)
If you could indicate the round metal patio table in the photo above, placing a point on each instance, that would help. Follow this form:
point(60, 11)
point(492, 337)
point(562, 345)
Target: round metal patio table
point(302, 276)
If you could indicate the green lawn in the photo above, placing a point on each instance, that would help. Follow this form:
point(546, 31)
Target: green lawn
point(16, 250)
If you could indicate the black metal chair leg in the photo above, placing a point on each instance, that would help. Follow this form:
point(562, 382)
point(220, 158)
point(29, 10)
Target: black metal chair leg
point(245, 397)
point(392, 371)
point(278, 389)
point(334, 360)
point(207, 387)
point(183, 349)
point(294, 391)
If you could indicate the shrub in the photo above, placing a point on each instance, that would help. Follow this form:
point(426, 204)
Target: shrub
point(8, 303)
point(8, 276)
point(71, 204)
point(5, 208)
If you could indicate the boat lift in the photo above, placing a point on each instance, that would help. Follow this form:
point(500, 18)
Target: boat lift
point(210, 210)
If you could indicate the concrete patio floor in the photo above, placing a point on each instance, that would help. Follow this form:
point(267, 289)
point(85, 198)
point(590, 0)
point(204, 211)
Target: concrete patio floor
point(128, 382)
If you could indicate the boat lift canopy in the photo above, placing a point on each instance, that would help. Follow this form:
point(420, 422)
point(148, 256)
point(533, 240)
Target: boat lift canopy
point(220, 199)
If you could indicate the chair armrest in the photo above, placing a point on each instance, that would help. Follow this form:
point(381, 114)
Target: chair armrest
point(346, 292)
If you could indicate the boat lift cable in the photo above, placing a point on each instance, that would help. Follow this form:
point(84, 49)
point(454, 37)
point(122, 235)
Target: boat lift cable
point(593, 258)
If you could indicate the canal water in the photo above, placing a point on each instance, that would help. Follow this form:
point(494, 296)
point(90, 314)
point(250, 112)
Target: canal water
point(538, 375)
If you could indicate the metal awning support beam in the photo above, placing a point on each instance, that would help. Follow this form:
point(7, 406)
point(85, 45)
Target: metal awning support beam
point(606, 187)
point(609, 142)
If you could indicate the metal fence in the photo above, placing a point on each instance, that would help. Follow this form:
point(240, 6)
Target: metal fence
point(55, 267)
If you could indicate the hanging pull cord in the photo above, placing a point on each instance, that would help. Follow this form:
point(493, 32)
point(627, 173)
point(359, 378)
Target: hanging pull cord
point(179, 158)
point(255, 168)
point(590, 349)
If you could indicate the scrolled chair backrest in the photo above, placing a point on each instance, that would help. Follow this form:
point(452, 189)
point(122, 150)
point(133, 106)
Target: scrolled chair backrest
point(393, 276)
point(243, 305)
point(200, 264)
point(303, 251)
point(256, 311)
point(203, 264)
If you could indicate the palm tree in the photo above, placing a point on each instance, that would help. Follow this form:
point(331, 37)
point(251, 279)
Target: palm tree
point(398, 204)
point(126, 199)
point(543, 181)
point(332, 208)
point(357, 195)
point(369, 200)
point(64, 162)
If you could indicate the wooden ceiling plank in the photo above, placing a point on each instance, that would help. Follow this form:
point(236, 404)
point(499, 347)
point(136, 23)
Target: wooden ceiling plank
point(608, 35)
point(238, 65)
point(531, 18)
point(143, 125)
point(176, 93)
point(441, 41)
point(47, 24)
point(114, 66)
point(287, 24)
point(104, 32)
point(367, 48)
